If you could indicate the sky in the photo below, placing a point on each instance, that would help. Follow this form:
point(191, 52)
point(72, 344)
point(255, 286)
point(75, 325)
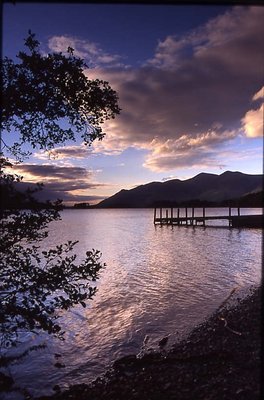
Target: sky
point(190, 82)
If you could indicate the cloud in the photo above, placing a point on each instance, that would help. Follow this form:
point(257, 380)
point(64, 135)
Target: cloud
point(89, 51)
point(189, 100)
point(168, 178)
point(213, 41)
point(191, 159)
point(259, 94)
point(194, 83)
point(66, 152)
point(253, 121)
point(53, 172)
point(171, 158)
point(69, 183)
point(186, 152)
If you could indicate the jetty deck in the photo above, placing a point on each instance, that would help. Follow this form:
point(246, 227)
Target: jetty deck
point(198, 216)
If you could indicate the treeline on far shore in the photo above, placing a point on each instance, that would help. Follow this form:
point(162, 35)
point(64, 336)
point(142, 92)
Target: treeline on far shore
point(252, 200)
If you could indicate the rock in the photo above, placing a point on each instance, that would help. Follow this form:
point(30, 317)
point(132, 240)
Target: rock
point(125, 362)
point(167, 386)
point(163, 341)
point(59, 365)
point(128, 374)
point(6, 382)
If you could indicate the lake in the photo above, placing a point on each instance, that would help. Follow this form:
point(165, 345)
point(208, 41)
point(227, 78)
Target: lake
point(158, 280)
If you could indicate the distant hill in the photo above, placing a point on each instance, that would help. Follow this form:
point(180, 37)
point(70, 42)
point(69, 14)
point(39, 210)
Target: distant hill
point(203, 189)
point(22, 195)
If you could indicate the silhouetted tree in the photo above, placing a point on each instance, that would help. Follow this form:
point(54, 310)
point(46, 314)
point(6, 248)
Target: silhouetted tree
point(39, 93)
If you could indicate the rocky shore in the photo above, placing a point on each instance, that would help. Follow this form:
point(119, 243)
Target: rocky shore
point(219, 360)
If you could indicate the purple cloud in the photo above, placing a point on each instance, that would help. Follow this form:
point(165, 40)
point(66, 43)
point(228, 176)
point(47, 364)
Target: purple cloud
point(195, 84)
point(60, 182)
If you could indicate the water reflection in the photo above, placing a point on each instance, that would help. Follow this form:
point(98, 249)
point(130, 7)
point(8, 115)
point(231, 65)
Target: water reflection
point(158, 280)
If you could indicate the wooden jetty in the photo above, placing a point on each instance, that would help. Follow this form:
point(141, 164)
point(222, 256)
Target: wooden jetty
point(172, 216)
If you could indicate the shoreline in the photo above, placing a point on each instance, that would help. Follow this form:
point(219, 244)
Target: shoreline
point(219, 359)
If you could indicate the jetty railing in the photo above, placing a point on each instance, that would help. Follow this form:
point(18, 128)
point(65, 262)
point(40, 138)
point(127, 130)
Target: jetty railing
point(172, 216)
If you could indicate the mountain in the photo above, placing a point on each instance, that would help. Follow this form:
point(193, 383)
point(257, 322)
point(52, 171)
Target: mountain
point(203, 188)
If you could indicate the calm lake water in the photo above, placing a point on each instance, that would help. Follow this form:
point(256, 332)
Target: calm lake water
point(158, 281)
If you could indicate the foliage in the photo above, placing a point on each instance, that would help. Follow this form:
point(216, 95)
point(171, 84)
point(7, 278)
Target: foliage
point(39, 94)
point(36, 284)
point(42, 93)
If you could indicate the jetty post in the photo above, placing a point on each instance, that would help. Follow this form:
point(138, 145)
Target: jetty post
point(192, 216)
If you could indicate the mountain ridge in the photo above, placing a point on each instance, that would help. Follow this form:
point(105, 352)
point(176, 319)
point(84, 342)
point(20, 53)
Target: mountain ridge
point(204, 187)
